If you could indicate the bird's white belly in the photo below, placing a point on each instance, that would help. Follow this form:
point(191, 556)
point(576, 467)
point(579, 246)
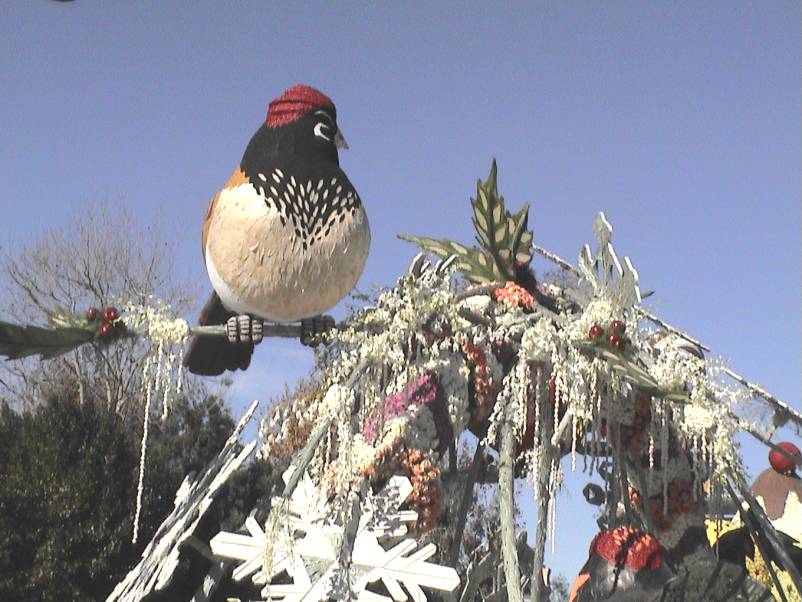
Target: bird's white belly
point(258, 266)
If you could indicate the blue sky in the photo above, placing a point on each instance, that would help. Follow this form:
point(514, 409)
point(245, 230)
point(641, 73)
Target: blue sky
point(680, 120)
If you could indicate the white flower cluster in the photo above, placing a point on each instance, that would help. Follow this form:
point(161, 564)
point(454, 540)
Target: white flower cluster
point(521, 357)
point(453, 378)
point(600, 310)
point(156, 323)
point(675, 369)
point(167, 336)
point(276, 425)
point(162, 370)
point(540, 342)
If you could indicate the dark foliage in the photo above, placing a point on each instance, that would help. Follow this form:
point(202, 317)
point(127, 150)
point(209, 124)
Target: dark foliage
point(68, 475)
point(65, 511)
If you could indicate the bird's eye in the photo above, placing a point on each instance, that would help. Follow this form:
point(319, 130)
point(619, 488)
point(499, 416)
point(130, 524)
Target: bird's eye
point(321, 130)
point(325, 128)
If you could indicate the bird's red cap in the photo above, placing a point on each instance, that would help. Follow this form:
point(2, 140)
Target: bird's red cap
point(629, 547)
point(296, 102)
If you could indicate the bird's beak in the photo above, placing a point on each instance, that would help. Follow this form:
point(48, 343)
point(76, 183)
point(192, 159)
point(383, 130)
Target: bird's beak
point(339, 140)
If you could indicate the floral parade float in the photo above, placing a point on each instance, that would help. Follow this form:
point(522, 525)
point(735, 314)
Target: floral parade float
point(540, 372)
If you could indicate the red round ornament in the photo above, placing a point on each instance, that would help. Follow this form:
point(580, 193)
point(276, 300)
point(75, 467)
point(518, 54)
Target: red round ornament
point(615, 340)
point(595, 331)
point(105, 329)
point(618, 326)
point(110, 314)
point(780, 462)
point(91, 314)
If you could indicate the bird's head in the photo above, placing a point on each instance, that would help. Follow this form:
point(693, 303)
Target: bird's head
point(310, 113)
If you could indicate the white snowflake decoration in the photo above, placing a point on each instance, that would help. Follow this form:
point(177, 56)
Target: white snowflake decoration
point(308, 549)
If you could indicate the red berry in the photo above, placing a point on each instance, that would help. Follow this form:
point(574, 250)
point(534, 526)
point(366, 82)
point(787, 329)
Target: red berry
point(615, 340)
point(595, 331)
point(618, 326)
point(779, 461)
point(105, 329)
point(91, 314)
point(110, 314)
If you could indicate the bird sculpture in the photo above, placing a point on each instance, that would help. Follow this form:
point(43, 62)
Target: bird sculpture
point(286, 238)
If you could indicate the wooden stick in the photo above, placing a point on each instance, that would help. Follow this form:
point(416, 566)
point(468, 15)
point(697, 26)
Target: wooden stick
point(285, 331)
point(467, 496)
point(509, 552)
point(753, 531)
point(783, 410)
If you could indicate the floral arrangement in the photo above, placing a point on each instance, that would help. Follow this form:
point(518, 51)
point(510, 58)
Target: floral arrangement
point(475, 342)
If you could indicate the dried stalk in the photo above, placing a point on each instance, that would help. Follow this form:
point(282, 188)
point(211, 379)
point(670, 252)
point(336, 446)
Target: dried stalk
point(506, 486)
point(467, 496)
point(540, 541)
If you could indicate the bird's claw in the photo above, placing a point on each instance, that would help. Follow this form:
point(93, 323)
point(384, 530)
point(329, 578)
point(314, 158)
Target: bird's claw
point(313, 328)
point(244, 329)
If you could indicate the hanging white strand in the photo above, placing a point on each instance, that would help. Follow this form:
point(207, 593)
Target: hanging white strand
point(179, 377)
point(597, 416)
point(557, 395)
point(573, 441)
point(653, 410)
point(707, 452)
point(168, 369)
point(538, 402)
point(592, 424)
point(157, 378)
point(552, 518)
point(696, 457)
point(664, 452)
point(143, 448)
point(586, 448)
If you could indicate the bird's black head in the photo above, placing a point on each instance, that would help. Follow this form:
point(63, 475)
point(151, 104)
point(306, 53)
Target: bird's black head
point(300, 123)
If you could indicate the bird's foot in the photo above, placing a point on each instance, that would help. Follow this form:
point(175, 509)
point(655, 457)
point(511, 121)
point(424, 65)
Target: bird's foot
point(312, 329)
point(244, 329)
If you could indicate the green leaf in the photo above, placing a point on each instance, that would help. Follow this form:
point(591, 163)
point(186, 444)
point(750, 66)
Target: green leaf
point(21, 341)
point(474, 263)
point(491, 222)
point(521, 241)
point(503, 237)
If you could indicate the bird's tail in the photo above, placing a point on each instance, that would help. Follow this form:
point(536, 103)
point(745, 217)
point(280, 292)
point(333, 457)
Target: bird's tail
point(210, 356)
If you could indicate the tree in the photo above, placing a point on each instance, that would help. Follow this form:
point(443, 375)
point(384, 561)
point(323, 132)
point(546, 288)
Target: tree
point(69, 481)
point(560, 588)
point(97, 260)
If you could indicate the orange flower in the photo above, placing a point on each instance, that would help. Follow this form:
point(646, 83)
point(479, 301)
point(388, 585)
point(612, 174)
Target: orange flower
point(513, 295)
point(427, 495)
